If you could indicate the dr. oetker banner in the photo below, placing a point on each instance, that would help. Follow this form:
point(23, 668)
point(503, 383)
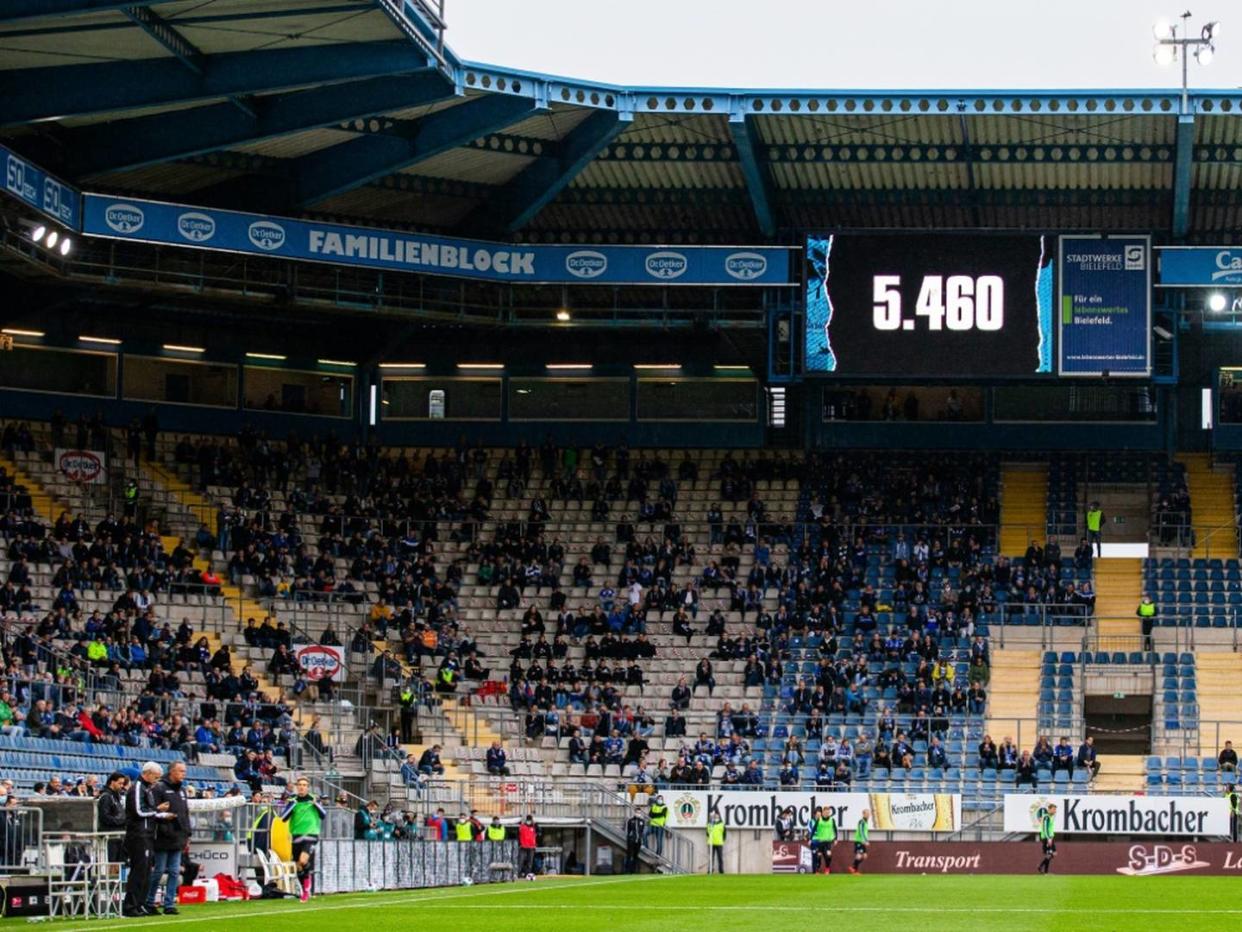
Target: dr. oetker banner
point(281, 237)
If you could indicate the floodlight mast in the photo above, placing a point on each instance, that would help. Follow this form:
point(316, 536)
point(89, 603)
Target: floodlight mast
point(1173, 41)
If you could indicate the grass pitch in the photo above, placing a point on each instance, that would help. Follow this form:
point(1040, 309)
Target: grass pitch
point(660, 904)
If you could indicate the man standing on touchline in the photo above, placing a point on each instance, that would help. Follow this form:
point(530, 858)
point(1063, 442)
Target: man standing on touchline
point(141, 814)
point(171, 836)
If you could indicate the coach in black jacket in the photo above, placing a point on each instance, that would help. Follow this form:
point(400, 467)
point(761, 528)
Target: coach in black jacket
point(112, 814)
point(141, 815)
point(171, 837)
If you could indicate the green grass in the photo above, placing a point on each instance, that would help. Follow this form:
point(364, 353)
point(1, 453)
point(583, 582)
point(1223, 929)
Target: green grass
point(706, 904)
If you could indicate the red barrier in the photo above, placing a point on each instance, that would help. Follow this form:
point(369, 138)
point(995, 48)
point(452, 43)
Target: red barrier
point(1138, 859)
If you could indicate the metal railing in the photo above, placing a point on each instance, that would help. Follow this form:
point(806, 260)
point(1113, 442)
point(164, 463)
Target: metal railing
point(598, 804)
point(1219, 541)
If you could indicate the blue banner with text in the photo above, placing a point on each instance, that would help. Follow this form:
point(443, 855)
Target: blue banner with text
point(1200, 266)
point(1105, 306)
point(29, 183)
point(307, 240)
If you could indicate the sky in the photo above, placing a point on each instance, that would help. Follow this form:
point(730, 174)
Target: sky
point(968, 44)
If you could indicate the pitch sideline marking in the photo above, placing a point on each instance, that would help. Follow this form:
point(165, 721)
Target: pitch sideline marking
point(763, 907)
point(312, 908)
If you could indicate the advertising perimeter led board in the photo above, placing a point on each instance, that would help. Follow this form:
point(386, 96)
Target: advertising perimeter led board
point(931, 305)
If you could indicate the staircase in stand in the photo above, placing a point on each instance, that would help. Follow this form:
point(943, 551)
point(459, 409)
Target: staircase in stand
point(1118, 589)
point(1211, 506)
point(1217, 678)
point(1013, 696)
point(1120, 773)
point(46, 506)
point(1024, 506)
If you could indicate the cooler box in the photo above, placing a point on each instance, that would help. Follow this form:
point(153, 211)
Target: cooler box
point(186, 895)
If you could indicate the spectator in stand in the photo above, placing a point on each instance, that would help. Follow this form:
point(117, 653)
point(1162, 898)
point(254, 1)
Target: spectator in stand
point(410, 775)
point(1027, 771)
point(1008, 754)
point(1086, 758)
point(1227, 760)
point(429, 763)
point(1063, 757)
point(989, 759)
point(497, 763)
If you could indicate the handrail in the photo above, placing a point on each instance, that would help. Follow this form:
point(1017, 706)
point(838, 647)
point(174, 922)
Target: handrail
point(1188, 536)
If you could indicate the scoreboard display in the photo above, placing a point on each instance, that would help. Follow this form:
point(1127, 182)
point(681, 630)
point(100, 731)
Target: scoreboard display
point(942, 305)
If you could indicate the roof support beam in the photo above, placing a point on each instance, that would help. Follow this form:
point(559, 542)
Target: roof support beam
point(758, 181)
point(14, 10)
point(167, 36)
point(149, 140)
point(27, 95)
point(1183, 174)
point(162, 32)
point(537, 185)
point(353, 164)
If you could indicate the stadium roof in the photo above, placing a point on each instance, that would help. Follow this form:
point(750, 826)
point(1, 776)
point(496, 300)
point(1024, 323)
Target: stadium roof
point(356, 110)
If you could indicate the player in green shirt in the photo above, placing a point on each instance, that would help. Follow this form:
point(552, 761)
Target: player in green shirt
point(1047, 837)
point(305, 817)
point(862, 838)
point(823, 831)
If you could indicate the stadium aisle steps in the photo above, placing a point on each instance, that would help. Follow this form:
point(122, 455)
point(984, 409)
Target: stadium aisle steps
point(45, 505)
point(1211, 505)
point(1013, 698)
point(1024, 506)
point(1120, 773)
point(1118, 589)
point(243, 606)
point(1218, 675)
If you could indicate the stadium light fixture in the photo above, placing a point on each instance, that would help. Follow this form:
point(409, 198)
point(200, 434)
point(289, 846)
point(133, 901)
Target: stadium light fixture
point(1217, 301)
point(403, 365)
point(274, 356)
point(563, 315)
point(105, 341)
point(728, 368)
point(657, 365)
point(1177, 41)
point(52, 237)
point(183, 348)
point(336, 362)
point(480, 365)
point(15, 332)
point(38, 233)
point(66, 245)
point(569, 366)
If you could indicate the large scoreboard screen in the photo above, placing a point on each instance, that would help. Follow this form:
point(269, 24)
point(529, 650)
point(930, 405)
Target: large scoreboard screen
point(944, 305)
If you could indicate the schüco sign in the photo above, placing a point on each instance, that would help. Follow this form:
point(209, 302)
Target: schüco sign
point(321, 662)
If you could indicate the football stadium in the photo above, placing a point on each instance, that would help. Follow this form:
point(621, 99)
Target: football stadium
point(449, 493)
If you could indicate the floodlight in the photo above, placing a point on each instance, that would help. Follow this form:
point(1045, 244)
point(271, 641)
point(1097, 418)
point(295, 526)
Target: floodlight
point(38, 232)
point(1216, 301)
point(1162, 29)
point(1164, 55)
